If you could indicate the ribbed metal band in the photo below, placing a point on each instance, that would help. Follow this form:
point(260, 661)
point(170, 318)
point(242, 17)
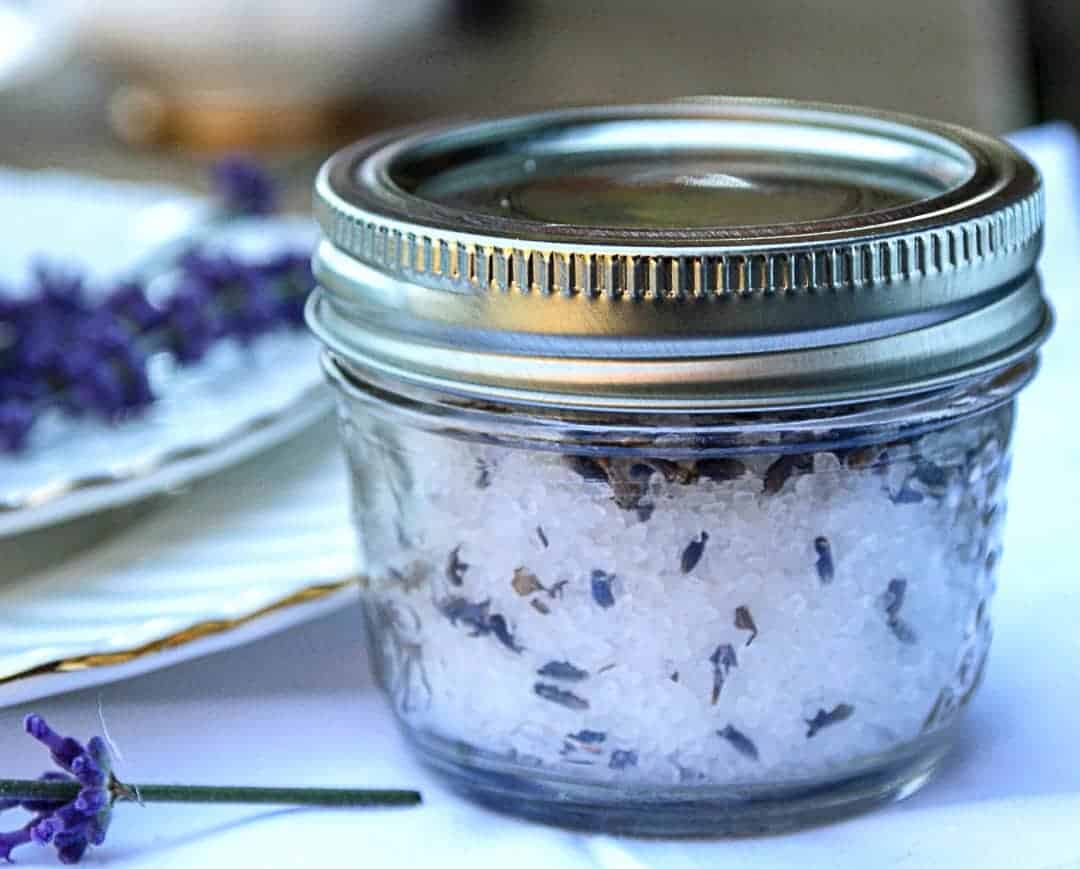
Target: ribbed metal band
point(936, 285)
point(451, 261)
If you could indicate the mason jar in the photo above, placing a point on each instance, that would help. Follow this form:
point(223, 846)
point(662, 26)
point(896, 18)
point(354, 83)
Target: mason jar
point(678, 437)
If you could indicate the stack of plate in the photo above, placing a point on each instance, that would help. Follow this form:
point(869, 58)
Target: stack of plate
point(237, 555)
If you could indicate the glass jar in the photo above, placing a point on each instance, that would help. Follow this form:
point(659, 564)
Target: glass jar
point(678, 438)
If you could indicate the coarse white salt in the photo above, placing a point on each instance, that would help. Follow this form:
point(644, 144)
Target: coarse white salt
point(631, 620)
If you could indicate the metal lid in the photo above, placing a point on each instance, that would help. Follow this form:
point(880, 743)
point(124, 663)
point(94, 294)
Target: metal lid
point(694, 255)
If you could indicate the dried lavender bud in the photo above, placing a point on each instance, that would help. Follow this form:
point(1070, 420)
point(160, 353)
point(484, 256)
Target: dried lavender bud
point(558, 695)
point(455, 567)
point(674, 677)
point(601, 588)
point(906, 495)
point(628, 479)
point(539, 606)
point(840, 712)
point(543, 537)
point(692, 553)
point(720, 470)
point(629, 484)
point(562, 670)
point(497, 625)
point(588, 737)
point(745, 622)
point(243, 186)
point(621, 759)
point(588, 469)
point(557, 589)
point(893, 598)
point(903, 632)
point(739, 741)
point(783, 468)
point(525, 582)
point(672, 472)
point(475, 615)
point(824, 564)
point(723, 661)
point(932, 476)
point(863, 457)
point(483, 474)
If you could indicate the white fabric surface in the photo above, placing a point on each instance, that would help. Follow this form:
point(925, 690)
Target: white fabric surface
point(300, 708)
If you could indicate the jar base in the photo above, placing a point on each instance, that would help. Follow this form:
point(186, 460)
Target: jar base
point(681, 811)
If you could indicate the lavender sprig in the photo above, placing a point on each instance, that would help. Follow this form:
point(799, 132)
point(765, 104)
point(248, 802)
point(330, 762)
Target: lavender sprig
point(72, 809)
point(59, 350)
point(243, 186)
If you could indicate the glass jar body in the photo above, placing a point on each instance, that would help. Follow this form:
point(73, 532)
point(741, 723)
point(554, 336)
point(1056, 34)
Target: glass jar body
point(679, 626)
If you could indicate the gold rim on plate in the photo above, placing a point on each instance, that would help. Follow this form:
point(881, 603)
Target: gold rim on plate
point(183, 637)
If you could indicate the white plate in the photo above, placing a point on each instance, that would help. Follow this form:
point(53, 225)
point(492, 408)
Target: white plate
point(252, 550)
point(235, 402)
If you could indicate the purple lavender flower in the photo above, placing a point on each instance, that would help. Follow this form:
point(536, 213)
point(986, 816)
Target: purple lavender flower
point(190, 326)
point(61, 349)
point(71, 827)
point(60, 288)
point(64, 750)
point(258, 311)
point(56, 351)
point(291, 275)
point(243, 186)
point(128, 302)
point(16, 420)
point(72, 809)
point(10, 841)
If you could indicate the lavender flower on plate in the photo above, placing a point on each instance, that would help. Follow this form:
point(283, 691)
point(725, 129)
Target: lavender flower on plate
point(244, 187)
point(72, 809)
point(63, 349)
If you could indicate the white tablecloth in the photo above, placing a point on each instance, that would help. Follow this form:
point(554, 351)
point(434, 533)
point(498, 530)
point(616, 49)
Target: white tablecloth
point(300, 708)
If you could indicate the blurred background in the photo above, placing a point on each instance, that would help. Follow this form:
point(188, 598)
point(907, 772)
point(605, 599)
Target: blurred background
point(148, 88)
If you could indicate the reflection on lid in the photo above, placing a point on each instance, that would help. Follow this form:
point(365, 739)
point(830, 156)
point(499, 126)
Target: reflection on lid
point(671, 190)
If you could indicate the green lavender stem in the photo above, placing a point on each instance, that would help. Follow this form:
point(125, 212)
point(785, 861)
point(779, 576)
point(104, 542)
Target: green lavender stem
point(327, 797)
